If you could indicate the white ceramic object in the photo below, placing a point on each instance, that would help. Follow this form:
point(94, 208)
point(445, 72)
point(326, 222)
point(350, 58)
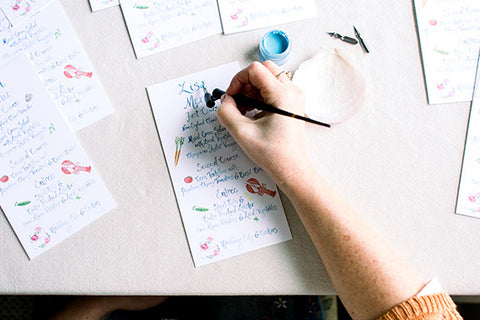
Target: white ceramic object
point(334, 88)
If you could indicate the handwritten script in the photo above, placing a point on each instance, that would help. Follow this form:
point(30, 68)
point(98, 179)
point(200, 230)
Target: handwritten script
point(243, 15)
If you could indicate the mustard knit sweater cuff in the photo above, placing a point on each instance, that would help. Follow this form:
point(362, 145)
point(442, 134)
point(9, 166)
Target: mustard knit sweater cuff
point(431, 307)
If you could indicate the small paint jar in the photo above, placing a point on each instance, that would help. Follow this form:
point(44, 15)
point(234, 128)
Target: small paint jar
point(275, 46)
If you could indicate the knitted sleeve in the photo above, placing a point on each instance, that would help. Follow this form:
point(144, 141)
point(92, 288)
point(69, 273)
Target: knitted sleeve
point(437, 306)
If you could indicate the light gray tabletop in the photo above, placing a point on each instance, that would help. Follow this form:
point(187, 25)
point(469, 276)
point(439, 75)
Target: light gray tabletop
point(397, 161)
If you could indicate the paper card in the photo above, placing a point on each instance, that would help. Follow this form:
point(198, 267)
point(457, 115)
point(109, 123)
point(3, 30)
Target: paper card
point(449, 33)
point(49, 188)
point(468, 200)
point(155, 26)
point(97, 5)
point(228, 204)
point(20, 11)
point(243, 15)
point(65, 70)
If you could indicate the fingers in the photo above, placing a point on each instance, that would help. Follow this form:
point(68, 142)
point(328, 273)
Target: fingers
point(268, 83)
point(272, 67)
point(229, 115)
point(256, 77)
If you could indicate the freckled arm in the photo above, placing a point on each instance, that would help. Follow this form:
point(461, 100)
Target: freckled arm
point(370, 276)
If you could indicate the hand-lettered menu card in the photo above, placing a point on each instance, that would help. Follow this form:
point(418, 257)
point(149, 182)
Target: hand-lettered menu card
point(468, 200)
point(449, 33)
point(57, 56)
point(49, 189)
point(102, 4)
point(19, 11)
point(155, 26)
point(243, 15)
point(228, 204)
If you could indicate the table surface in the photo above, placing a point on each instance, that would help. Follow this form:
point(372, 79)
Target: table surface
point(397, 161)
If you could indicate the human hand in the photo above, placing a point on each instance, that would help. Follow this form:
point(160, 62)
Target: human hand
point(275, 142)
point(100, 307)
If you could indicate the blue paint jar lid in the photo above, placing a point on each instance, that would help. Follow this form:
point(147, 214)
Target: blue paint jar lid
point(275, 46)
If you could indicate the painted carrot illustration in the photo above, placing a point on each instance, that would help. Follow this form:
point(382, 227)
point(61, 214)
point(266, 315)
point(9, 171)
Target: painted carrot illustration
point(68, 167)
point(253, 186)
point(178, 148)
point(71, 72)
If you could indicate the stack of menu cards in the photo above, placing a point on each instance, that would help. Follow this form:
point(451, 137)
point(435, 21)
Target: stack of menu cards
point(48, 40)
point(49, 189)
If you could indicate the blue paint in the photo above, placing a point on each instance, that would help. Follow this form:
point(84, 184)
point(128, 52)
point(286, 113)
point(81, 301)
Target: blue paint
point(276, 43)
point(275, 46)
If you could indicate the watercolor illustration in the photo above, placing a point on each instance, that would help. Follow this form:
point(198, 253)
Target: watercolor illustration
point(39, 239)
point(141, 7)
point(240, 20)
point(200, 209)
point(22, 203)
point(68, 167)
point(21, 7)
point(474, 203)
point(441, 51)
point(73, 73)
point(150, 41)
point(209, 248)
point(254, 186)
point(445, 88)
point(4, 179)
point(178, 148)
point(51, 128)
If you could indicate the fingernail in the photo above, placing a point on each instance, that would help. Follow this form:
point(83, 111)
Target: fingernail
point(223, 97)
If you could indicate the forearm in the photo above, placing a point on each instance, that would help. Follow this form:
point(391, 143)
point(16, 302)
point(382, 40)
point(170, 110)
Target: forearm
point(370, 277)
point(86, 308)
point(100, 307)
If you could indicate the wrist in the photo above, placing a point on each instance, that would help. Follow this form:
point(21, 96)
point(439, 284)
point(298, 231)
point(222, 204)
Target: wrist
point(292, 178)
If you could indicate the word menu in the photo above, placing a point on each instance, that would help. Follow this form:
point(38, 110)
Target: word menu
point(228, 204)
point(49, 189)
point(449, 33)
point(51, 45)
